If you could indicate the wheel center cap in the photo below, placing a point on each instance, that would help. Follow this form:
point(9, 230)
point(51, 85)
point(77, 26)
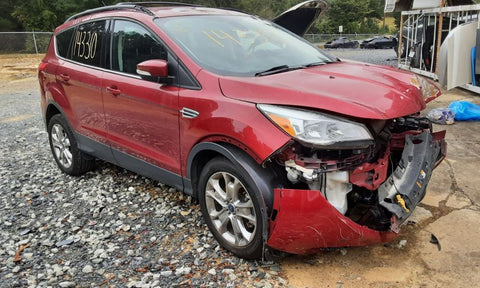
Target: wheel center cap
point(231, 208)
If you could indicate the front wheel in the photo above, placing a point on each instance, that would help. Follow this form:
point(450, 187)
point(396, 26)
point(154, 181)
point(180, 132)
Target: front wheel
point(230, 204)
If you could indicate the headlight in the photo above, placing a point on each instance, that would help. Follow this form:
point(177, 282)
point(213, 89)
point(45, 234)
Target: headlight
point(317, 128)
point(429, 90)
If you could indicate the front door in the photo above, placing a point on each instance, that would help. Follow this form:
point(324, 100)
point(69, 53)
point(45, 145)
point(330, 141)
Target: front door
point(141, 115)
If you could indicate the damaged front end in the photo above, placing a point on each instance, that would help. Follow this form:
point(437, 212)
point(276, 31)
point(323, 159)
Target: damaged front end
point(354, 192)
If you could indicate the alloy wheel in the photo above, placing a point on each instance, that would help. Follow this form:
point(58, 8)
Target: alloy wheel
point(61, 146)
point(230, 209)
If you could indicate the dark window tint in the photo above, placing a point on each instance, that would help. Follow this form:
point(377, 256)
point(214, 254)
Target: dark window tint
point(63, 40)
point(132, 44)
point(87, 43)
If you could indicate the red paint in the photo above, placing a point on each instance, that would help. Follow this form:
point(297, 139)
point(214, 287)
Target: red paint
point(306, 222)
point(354, 89)
point(228, 120)
point(154, 67)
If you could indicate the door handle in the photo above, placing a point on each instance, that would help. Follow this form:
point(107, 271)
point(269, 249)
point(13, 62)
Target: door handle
point(64, 77)
point(114, 90)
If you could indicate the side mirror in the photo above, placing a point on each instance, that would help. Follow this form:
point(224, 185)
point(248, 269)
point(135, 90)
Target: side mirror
point(154, 69)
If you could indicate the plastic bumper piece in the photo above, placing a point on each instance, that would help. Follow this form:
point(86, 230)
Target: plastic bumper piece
point(406, 187)
point(305, 222)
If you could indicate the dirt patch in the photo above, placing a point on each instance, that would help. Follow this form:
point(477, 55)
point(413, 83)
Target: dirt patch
point(391, 265)
point(17, 71)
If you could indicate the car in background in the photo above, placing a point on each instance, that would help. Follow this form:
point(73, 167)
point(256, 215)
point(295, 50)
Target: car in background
point(379, 42)
point(341, 42)
point(285, 147)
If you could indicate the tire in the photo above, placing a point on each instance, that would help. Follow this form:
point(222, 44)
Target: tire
point(230, 205)
point(65, 149)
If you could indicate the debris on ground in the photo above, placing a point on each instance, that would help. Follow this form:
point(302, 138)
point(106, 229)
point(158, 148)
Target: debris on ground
point(443, 116)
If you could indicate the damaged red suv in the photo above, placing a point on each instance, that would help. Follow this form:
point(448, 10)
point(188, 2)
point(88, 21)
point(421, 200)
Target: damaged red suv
point(286, 147)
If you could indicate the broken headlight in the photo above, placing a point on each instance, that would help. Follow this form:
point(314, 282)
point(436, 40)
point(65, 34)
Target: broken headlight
point(318, 129)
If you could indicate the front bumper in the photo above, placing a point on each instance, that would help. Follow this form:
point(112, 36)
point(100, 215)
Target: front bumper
point(303, 221)
point(306, 222)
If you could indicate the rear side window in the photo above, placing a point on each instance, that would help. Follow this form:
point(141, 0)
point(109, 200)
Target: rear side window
point(63, 40)
point(87, 43)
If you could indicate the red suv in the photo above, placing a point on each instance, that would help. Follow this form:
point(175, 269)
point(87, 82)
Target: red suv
point(286, 147)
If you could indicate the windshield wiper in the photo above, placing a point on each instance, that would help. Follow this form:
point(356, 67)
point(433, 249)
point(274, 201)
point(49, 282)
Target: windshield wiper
point(277, 69)
point(315, 64)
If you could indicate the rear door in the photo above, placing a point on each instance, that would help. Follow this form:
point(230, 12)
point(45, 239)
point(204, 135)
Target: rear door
point(141, 115)
point(80, 76)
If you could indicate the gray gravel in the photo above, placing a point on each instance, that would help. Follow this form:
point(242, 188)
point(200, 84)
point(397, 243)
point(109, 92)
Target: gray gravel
point(109, 227)
point(373, 56)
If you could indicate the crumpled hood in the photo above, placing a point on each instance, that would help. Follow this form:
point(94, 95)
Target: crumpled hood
point(349, 88)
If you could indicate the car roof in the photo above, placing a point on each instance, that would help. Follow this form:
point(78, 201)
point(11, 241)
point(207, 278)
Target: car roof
point(156, 9)
point(189, 11)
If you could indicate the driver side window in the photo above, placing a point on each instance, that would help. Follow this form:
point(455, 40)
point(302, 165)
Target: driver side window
point(133, 44)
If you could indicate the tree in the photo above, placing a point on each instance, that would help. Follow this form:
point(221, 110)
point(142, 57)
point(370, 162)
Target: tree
point(7, 21)
point(356, 16)
point(45, 15)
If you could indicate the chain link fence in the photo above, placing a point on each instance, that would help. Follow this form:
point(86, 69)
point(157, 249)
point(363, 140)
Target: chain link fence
point(24, 42)
point(37, 42)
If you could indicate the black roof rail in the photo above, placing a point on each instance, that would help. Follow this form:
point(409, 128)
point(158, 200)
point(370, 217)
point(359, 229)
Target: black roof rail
point(112, 8)
point(157, 3)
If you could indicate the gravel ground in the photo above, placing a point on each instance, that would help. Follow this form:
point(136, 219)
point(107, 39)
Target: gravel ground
point(109, 228)
point(373, 56)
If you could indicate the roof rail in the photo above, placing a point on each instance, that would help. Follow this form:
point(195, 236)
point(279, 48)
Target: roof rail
point(119, 6)
point(157, 3)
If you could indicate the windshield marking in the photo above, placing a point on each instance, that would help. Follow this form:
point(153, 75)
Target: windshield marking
point(213, 39)
point(218, 39)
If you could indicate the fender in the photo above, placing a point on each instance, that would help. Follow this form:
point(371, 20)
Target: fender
point(60, 101)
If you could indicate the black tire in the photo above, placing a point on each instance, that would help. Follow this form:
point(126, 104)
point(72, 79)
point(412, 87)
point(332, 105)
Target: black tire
point(242, 208)
point(65, 149)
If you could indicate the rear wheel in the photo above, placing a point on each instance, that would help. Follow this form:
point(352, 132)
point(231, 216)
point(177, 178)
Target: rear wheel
point(64, 148)
point(230, 204)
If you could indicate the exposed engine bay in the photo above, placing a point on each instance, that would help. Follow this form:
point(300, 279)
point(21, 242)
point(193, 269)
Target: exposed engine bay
point(377, 185)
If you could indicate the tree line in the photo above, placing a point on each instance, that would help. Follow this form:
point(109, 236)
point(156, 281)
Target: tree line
point(356, 16)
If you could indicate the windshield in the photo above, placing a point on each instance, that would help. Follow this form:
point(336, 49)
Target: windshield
point(240, 45)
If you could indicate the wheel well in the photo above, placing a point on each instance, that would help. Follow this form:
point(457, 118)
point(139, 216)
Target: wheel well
point(265, 178)
point(197, 165)
point(51, 111)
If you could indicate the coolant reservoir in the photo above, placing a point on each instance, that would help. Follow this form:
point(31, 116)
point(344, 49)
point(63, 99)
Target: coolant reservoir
point(338, 186)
